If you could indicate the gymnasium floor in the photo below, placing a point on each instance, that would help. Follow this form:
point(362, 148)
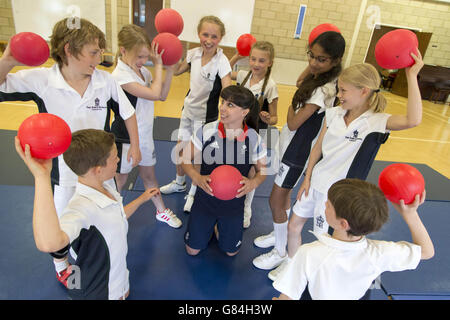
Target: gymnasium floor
point(160, 268)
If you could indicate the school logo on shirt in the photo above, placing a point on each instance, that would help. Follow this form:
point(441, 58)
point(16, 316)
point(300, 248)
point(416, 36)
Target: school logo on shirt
point(281, 170)
point(96, 106)
point(354, 137)
point(320, 221)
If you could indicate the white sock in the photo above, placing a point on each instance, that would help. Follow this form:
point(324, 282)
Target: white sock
point(180, 179)
point(192, 190)
point(280, 232)
point(249, 199)
point(61, 265)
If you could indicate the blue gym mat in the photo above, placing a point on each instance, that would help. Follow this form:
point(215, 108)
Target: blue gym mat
point(160, 268)
point(25, 272)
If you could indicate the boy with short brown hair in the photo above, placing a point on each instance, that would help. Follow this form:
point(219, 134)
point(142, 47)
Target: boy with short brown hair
point(94, 224)
point(344, 265)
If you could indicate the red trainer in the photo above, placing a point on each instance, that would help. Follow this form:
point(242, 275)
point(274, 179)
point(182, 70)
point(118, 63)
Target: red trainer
point(63, 275)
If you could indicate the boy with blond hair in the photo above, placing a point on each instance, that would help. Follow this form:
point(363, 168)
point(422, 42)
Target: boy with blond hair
point(74, 90)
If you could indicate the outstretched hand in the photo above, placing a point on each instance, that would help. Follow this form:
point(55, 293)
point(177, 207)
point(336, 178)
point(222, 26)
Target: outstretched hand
point(38, 167)
point(150, 193)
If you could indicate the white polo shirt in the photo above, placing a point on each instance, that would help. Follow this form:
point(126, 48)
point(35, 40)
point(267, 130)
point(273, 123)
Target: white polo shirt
point(88, 112)
point(89, 207)
point(340, 270)
point(204, 86)
point(341, 144)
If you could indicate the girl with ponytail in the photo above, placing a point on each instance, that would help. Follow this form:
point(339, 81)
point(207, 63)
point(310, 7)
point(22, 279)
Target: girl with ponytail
point(258, 81)
point(316, 93)
point(348, 143)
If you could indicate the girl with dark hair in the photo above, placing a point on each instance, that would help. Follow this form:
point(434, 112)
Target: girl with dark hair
point(316, 93)
point(233, 141)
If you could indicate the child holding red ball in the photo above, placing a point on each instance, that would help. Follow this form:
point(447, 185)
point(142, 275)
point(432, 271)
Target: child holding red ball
point(348, 144)
point(344, 265)
point(76, 91)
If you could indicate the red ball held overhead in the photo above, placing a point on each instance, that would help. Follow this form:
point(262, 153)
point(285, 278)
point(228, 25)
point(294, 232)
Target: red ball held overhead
point(173, 49)
point(321, 28)
point(169, 20)
point(47, 135)
point(244, 44)
point(225, 182)
point(29, 48)
point(393, 50)
point(401, 181)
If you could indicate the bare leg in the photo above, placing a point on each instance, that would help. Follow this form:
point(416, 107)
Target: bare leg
point(295, 228)
point(279, 202)
point(148, 176)
point(121, 179)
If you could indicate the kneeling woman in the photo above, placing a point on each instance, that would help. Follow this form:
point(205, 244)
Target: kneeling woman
point(232, 140)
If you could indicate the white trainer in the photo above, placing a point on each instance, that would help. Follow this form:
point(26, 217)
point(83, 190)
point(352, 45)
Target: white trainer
point(265, 241)
point(247, 217)
point(269, 260)
point(173, 187)
point(188, 204)
point(275, 272)
point(169, 217)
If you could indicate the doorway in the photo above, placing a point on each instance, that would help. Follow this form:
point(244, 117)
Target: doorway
point(144, 12)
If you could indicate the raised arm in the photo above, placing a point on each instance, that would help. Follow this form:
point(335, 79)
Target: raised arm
point(154, 91)
point(7, 62)
point(234, 59)
point(167, 82)
point(418, 231)
point(181, 67)
point(47, 232)
point(413, 115)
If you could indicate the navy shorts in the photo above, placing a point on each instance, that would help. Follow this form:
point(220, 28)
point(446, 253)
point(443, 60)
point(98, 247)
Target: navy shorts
point(200, 229)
